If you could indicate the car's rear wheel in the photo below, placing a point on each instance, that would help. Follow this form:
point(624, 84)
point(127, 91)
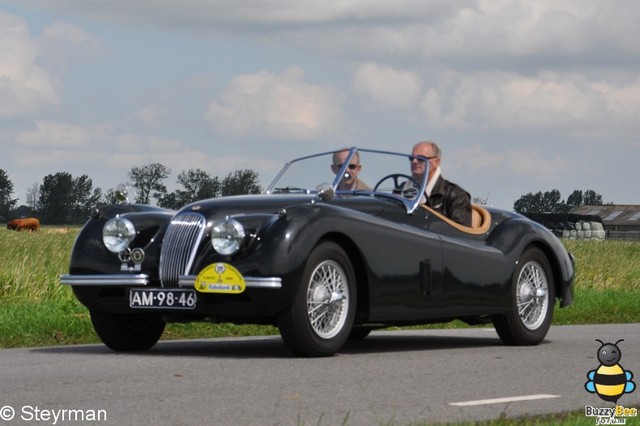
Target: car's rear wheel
point(127, 332)
point(533, 298)
point(319, 320)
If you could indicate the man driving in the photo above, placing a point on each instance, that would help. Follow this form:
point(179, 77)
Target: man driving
point(442, 196)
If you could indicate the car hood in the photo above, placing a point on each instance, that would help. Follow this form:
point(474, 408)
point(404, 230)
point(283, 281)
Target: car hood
point(272, 204)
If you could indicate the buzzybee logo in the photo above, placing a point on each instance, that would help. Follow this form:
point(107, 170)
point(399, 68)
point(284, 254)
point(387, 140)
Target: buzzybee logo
point(610, 381)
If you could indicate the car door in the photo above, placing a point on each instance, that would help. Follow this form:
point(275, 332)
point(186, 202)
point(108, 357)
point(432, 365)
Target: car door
point(474, 274)
point(405, 267)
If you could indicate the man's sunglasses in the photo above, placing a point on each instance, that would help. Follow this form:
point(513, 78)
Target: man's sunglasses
point(350, 166)
point(420, 158)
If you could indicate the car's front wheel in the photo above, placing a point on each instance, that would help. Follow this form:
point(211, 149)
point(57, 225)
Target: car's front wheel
point(127, 332)
point(319, 320)
point(533, 298)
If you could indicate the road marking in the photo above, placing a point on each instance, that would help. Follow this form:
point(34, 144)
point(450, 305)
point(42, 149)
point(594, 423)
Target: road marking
point(502, 400)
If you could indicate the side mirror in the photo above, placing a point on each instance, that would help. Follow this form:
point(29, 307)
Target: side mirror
point(122, 194)
point(325, 191)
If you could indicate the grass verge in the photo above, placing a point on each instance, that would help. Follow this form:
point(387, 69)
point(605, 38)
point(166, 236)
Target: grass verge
point(574, 418)
point(35, 310)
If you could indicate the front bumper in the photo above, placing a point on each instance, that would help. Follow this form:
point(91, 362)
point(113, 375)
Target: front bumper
point(116, 280)
point(263, 298)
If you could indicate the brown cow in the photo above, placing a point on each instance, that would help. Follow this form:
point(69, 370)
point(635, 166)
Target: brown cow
point(26, 224)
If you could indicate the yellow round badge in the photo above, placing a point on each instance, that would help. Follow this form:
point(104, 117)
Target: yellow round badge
point(220, 278)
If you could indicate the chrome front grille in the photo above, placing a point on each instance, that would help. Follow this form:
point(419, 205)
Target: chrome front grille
point(179, 246)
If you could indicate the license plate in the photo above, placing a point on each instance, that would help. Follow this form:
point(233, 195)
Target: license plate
point(159, 298)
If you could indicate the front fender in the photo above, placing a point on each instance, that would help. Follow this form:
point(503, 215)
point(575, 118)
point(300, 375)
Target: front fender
point(291, 237)
point(288, 239)
point(90, 256)
point(285, 242)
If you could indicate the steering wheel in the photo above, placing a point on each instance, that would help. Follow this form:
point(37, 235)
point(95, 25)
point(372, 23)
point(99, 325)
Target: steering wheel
point(401, 187)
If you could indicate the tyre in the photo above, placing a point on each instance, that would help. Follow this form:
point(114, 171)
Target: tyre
point(532, 301)
point(359, 333)
point(319, 320)
point(121, 332)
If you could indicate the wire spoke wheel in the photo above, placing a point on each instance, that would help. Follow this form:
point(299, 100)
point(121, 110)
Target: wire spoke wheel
point(321, 315)
point(532, 295)
point(326, 298)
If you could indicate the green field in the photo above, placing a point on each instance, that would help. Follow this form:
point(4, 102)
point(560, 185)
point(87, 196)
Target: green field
point(35, 310)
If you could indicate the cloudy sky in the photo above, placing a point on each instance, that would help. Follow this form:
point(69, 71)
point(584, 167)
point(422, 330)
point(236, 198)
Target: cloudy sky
point(522, 96)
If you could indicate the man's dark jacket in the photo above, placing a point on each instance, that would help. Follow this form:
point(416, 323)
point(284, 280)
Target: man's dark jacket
point(451, 200)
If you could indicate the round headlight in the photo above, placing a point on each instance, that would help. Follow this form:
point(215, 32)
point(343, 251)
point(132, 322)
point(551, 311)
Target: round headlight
point(117, 234)
point(226, 236)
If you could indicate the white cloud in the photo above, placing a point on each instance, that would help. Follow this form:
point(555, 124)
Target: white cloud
point(146, 145)
point(427, 29)
point(387, 87)
point(52, 143)
point(622, 103)
point(39, 159)
point(282, 106)
point(132, 150)
point(68, 33)
point(48, 134)
point(517, 163)
point(102, 149)
point(463, 34)
point(566, 103)
point(258, 14)
point(152, 115)
point(24, 85)
point(62, 44)
point(457, 34)
point(491, 28)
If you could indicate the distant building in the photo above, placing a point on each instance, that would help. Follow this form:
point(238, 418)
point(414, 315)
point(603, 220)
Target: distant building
point(619, 221)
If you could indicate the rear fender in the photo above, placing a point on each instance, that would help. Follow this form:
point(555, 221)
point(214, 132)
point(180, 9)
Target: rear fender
point(513, 236)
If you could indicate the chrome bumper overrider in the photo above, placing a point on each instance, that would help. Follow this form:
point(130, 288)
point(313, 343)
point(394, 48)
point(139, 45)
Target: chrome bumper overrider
point(143, 279)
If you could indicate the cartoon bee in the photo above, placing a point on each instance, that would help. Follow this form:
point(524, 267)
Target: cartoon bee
point(610, 381)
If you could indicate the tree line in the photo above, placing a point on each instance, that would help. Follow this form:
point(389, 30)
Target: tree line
point(552, 202)
point(64, 199)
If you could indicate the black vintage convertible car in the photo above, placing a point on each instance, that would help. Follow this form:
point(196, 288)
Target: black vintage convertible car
point(321, 263)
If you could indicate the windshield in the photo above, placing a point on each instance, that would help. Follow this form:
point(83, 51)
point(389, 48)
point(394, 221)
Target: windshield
point(352, 172)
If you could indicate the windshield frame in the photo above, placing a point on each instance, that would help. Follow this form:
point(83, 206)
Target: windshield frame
point(410, 204)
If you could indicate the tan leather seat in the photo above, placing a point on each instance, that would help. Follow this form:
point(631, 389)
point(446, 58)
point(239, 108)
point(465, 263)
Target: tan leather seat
point(480, 220)
point(476, 218)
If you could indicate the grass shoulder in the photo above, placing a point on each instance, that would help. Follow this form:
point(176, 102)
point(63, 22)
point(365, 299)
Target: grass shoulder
point(35, 310)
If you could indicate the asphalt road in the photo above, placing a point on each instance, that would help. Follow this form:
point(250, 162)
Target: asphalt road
point(391, 378)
